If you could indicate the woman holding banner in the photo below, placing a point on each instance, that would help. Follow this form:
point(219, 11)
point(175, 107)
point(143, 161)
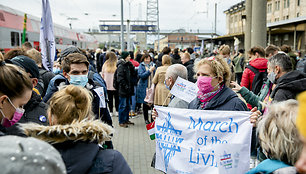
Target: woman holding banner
point(213, 77)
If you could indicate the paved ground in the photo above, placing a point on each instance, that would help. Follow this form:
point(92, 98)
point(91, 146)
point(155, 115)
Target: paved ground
point(135, 145)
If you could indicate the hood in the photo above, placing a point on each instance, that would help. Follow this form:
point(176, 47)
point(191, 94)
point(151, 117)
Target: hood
point(259, 63)
point(293, 80)
point(85, 130)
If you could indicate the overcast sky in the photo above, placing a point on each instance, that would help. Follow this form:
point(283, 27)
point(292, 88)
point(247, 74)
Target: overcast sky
point(174, 14)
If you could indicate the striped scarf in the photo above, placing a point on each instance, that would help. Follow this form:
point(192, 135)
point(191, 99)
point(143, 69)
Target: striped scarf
point(205, 98)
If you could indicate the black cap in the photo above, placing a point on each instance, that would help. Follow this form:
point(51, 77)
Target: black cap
point(27, 64)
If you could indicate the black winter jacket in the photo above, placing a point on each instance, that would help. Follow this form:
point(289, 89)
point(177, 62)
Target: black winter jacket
point(189, 65)
point(176, 58)
point(123, 78)
point(226, 100)
point(288, 86)
point(46, 77)
point(35, 111)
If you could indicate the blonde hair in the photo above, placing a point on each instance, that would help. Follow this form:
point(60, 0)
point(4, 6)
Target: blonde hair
point(35, 55)
point(73, 103)
point(166, 60)
point(224, 50)
point(218, 66)
point(110, 64)
point(277, 132)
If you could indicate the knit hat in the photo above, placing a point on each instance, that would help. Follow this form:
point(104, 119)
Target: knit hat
point(27, 64)
point(29, 155)
point(124, 54)
point(301, 118)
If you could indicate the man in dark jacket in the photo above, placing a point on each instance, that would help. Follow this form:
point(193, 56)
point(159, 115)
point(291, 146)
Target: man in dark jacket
point(166, 51)
point(35, 109)
point(188, 63)
point(288, 83)
point(176, 58)
point(125, 86)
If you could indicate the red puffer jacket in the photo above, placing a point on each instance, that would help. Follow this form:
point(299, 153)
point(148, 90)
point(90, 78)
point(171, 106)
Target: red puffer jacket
point(248, 75)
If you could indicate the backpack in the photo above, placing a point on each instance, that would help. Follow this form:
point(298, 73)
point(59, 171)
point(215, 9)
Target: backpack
point(301, 64)
point(259, 79)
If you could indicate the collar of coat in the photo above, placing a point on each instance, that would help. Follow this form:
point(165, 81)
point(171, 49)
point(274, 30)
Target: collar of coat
point(85, 130)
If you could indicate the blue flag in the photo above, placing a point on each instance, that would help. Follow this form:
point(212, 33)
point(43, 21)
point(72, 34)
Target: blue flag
point(47, 43)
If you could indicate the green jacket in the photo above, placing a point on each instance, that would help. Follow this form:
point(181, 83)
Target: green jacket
point(237, 62)
point(253, 99)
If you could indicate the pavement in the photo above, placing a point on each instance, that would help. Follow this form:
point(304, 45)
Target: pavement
point(135, 145)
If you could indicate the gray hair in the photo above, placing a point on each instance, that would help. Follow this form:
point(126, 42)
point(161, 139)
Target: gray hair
point(282, 60)
point(176, 70)
point(277, 132)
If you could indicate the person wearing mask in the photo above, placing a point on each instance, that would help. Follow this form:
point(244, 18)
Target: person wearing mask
point(288, 83)
point(56, 68)
point(146, 72)
point(279, 139)
point(124, 84)
point(161, 92)
point(15, 92)
point(108, 71)
point(213, 77)
point(75, 133)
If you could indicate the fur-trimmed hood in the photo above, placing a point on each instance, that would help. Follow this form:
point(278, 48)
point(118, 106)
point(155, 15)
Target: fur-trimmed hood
point(85, 130)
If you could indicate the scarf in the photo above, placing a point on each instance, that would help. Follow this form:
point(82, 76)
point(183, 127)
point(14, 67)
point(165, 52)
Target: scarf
point(205, 98)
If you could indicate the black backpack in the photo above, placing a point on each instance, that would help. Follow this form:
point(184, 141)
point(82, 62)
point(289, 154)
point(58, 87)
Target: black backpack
point(259, 79)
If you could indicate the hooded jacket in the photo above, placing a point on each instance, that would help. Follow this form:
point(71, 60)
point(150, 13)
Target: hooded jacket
point(288, 86)
point(248, 75)
point(124, 78)
point(78, 144)
point(226, 100)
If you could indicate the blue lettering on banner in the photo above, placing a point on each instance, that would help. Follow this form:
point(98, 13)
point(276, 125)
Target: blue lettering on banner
point(211, 126)
point(168, 140)
point(207, 159)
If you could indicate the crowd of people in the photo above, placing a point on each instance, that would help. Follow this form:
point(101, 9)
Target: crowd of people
point(69, 110)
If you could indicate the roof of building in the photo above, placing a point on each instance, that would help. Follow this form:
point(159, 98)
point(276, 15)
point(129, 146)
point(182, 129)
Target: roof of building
point(235, 8)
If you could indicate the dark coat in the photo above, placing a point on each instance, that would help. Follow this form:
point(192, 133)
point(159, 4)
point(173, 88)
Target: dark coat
point(226, 100)
point(79, 147)
point(46, 77)
point(35, 111)
point(189, 65)
point(159, 60)
point(142, 83)
point(176, 58)
point(123, 78)
point(288, 86)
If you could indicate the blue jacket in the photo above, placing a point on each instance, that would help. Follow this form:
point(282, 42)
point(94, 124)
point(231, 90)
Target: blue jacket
point(226, 100)
point(143, 82)
point(101, 113)
point(268, 166)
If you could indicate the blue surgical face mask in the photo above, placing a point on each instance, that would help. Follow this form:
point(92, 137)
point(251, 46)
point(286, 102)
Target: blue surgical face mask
point(56, 70)
point(272, 77)
point(168, 87)
point(78, 80)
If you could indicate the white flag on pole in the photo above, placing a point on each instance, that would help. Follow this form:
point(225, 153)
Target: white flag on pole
point(47, 43)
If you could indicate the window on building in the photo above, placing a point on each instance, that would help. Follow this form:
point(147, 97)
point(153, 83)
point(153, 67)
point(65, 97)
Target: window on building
point(26, 37)
point(287, 17)
point(15, 39)
point(298, 15)
point(276, 19)
point(286, 37)
point(298, 2)
point(277, 5)
point(276, 38)
point(270, 8)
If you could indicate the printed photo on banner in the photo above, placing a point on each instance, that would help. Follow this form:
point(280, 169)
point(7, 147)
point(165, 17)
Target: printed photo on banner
point(199, 141)
point(184, 90)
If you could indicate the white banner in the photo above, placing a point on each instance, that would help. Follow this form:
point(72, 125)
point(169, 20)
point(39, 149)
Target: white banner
point(198, 141)
point(184, 90)
point(47, 44)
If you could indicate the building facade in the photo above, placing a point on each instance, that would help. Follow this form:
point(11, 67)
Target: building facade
point(286, 24)
point(181, 41)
